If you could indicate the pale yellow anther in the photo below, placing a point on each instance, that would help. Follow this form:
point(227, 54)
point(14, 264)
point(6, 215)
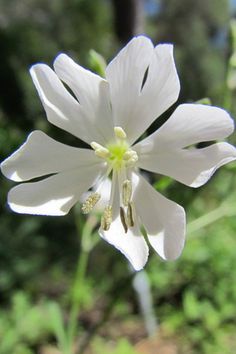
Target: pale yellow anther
point(133, 158)
point(90, 202)
point(106, 218)
point(130, 155)
point(126, 192)
point(120, 133)
point(95, 145)
point(100, 150)
point(130, 163)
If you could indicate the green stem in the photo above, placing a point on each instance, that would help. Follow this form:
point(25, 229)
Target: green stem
point(77, 288)
point(212, 216)
point(76, 298)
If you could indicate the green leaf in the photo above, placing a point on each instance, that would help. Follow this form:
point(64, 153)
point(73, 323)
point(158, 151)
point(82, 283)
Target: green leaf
point(204, 100)
point(97, 63)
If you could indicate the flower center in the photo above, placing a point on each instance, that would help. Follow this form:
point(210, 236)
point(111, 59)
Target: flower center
point(120, 158)
point(118, 153)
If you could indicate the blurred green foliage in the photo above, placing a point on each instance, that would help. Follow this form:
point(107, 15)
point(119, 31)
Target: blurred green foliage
point(194, 297)
point(24, 325)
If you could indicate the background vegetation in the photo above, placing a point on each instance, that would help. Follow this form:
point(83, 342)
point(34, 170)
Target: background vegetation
point(193, 298)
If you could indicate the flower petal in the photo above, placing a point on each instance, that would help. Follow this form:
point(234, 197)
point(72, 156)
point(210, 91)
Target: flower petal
point(105, 192)
point(163, 219)
point(61, 107)
point(136, 107)
point(188, 125)
point(41, 155)
point(54, 195)
point(91, 91)
point(125, 74)
point(160, 90)
point(131, 244)
point(193, 167)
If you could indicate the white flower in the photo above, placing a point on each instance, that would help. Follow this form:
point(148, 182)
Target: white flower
point(111, 114)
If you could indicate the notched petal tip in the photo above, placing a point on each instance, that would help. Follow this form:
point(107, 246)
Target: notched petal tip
point(9, 165)
point(166, 51)
point(173, 250)
point(38, 68)
point(61, 60)
point(9, 173)
point(167, 47)
point(61, 56)
point(48, 207)
point(169, 242)
point(227, 154)
point(131, 244)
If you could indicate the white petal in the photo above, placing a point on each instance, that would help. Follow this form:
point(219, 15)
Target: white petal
point(54, 195)
point(105, 192)
point(160, 91)
point(92, 92)
point(163, 220)
point(131, 244)
point(61, 107)
point(134, 108)
point(193, 167)
point(41, 155)
point(125, 74)
point(188, 125)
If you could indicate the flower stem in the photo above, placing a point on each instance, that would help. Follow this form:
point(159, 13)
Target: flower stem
point(76, 298)
point(77, 291)
point(212, 216)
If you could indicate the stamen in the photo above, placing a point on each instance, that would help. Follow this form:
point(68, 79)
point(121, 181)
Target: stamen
point(106, 219)
point(120, 133)
point(95, 145)
point(103, 153)
point(130, 157)
point(90, 202)
point(126, 192)
point(123, 219)
point(130, 214)
point(100, 150)
point(129, 154)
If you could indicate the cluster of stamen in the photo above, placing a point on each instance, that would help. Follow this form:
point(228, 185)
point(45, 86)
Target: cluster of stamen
point(119, 156)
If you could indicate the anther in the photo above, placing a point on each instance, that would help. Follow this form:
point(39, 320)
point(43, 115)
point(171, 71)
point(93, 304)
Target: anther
point(130, 157)
point(123, 219)
point(120, 133)
point(103, 153)
point(131, 162)
point(128, 154)
point(90, 202)
point(126, 192)
point(95, 145)
point(106, 219)
point(100, 150)
point(130, 214)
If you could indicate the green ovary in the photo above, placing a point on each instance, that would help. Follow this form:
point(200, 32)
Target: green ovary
point(117, 151)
